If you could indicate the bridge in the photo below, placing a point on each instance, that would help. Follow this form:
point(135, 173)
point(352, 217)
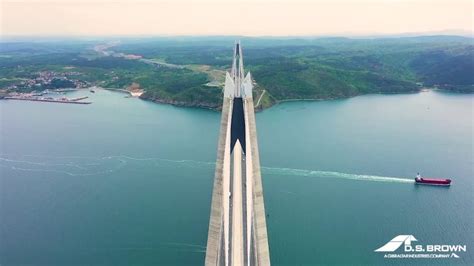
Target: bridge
point(237, 227)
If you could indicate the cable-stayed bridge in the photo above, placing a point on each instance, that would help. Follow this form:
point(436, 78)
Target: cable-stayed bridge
point(237, 227)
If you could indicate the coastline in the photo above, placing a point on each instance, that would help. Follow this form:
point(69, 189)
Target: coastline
point(131, 93)
point(276, 102)
point(218, 107)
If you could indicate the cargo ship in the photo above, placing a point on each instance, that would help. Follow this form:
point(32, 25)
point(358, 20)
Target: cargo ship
point(432, 181)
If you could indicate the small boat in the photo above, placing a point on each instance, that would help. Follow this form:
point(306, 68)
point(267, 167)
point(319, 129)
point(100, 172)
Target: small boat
point(93, 91)
point(432, 181)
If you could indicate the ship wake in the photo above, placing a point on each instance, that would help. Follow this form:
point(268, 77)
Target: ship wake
point(90, 165)
point(331, 174)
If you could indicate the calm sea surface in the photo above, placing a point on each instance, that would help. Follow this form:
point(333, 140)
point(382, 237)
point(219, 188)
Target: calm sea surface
point(125, 181)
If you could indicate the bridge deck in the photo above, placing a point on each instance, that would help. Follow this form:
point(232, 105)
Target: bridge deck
point(237, 227)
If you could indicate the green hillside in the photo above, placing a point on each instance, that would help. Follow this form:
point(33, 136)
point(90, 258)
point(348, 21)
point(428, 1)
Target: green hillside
point(286, 68)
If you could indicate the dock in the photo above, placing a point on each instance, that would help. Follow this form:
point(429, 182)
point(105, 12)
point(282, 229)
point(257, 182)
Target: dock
point(78, 99)
point(49, 100)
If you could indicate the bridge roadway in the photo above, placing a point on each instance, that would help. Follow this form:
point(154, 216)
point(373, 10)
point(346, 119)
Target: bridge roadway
point(237, 227)
point(235, 204)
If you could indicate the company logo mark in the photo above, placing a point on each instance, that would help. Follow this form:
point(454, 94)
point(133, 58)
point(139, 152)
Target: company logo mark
point(396, 242)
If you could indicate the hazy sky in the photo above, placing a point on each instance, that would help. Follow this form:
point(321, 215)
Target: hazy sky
point(228, 17)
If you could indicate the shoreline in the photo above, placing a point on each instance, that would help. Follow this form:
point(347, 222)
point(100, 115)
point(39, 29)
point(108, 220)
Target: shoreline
point(132, 94)
point(260, 109)
point(217, 108)
point(182, 104)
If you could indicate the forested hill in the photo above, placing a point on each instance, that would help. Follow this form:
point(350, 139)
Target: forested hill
point(191, 69)
point(313, 68)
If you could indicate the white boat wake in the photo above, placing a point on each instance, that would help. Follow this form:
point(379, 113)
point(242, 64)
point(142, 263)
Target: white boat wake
point(330, 174)
point(90, 165)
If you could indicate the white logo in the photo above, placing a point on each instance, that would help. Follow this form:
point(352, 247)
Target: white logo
point(419, 251)
point(396, 242)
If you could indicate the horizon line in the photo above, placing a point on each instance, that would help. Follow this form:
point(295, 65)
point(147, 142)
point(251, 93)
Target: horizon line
point(459, 33)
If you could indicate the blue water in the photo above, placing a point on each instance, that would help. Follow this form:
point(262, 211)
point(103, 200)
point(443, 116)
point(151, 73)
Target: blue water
point(125, 181)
